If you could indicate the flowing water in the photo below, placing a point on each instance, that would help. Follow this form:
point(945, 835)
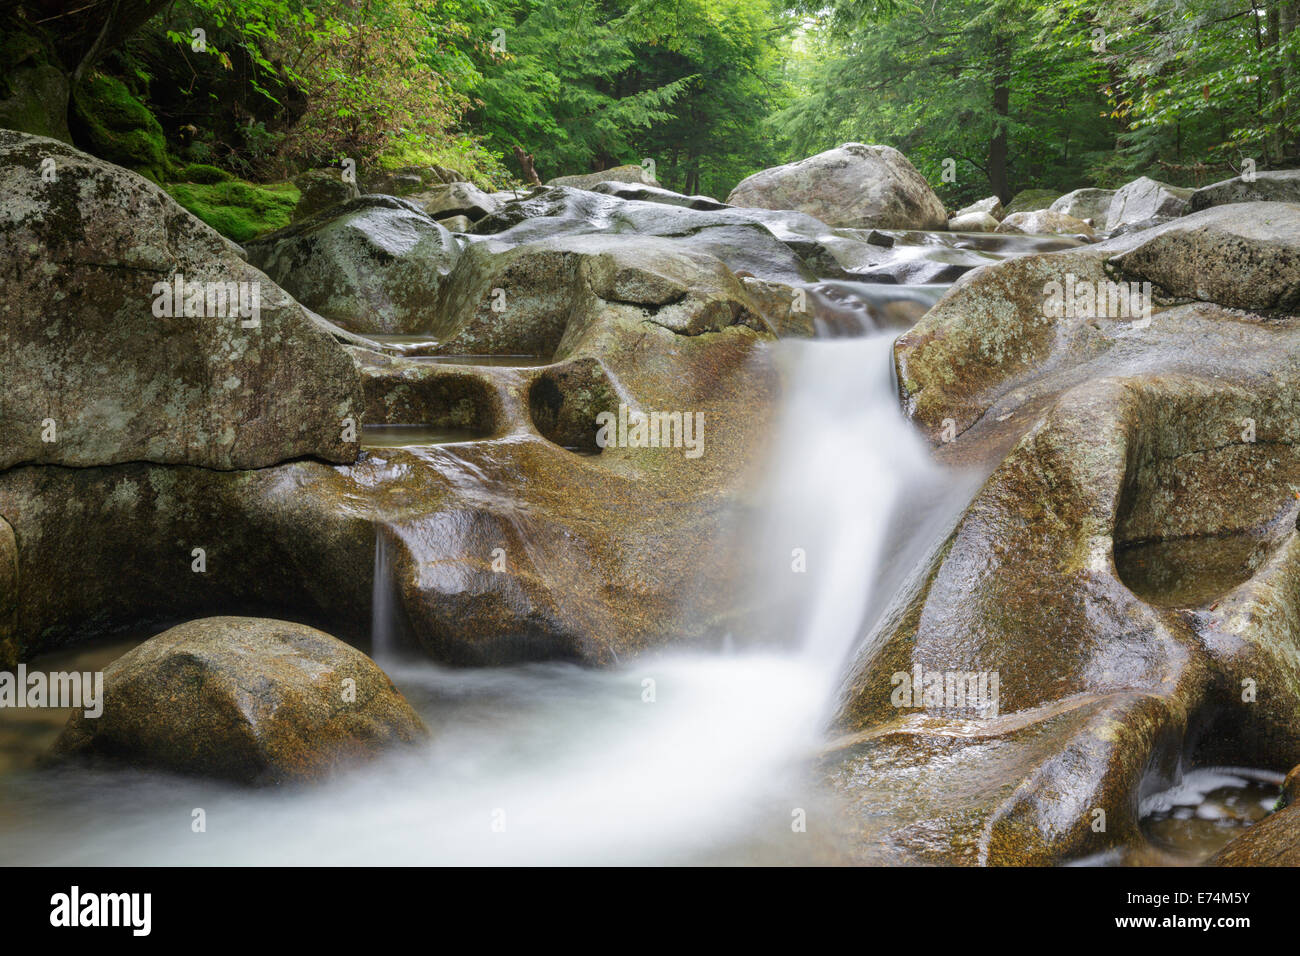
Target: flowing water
point(677, 758)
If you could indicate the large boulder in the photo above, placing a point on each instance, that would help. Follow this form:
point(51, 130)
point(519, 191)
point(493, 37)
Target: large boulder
point(247, 699)
point(526, 539)
point(648, 193)
point(629, 173)
point(34, 90)
point(1276, 185)
point(990, 205)
point(407, 181)
point(113, 123)
point(555, 289)
point(1090, 204)
point(1127, 567)
point(1146, 202)
point(372, 264)
point(852, 185)
point(1245, 255)
point(1044, 222)
point(105, 363)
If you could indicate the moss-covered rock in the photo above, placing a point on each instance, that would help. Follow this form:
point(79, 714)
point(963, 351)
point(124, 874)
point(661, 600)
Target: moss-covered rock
point(33, 89)
point(237, 209)
point(110, 122)
point(320, 189)
point(203, 173)
point(1031, 200)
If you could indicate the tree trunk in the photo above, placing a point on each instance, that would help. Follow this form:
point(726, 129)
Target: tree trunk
point(998, 181)
point(526, 166)
point(1276, 117)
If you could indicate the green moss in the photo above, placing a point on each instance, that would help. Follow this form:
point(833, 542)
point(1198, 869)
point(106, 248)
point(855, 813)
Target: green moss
point(1031, 200)
point(33, 90)
point(202, 173)
point(465, 156)
point(238, 210)
point(111, 123)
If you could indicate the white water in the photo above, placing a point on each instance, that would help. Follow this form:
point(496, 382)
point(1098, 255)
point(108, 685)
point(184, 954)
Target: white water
point(557, 764)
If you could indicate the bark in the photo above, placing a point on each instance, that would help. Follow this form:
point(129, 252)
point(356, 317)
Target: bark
point(526, 166)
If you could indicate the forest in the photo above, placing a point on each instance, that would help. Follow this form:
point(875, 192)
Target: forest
point(232, 98)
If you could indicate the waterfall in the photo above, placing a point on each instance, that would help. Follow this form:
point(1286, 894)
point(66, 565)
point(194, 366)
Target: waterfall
point(853, 498)
point(684, 756)
point(383, 600)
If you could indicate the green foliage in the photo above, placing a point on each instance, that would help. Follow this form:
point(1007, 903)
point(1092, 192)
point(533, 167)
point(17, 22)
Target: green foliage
point(238, 210)
point(926, 79)
point(1194, 87)
point(982, 95)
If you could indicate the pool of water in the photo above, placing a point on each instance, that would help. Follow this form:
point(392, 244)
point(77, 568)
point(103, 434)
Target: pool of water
point(501, 361)
point(414, 436)
point(1191, 572)
point(1207, 809)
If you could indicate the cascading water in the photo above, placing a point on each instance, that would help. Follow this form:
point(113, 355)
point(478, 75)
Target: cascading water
point(383, 599)
point(682, 757)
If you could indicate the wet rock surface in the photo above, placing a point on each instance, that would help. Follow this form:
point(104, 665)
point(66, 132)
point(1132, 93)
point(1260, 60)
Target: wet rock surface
point(1044, 221)
point(1125, 570)
point(246, 699)
point(1281, 185)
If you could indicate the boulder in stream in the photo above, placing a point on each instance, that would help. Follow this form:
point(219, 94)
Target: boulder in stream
point(852, 185)
point(1088, 204)
point(629, 173)
point(1044, 222)
point(246, 699)
point(973, 222)
point(371, 264)
point(1087, 625)
point(1031, 200)
point(1273, 185)
point(1144, 203)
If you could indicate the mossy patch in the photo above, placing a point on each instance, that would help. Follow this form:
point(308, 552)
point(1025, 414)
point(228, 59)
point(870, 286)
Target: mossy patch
point(33, 90)
point(111, 123)
point(237, 209)
point(202, 173)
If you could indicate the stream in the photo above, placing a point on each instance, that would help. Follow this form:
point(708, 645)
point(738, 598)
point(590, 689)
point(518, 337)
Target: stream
point(672, 758)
